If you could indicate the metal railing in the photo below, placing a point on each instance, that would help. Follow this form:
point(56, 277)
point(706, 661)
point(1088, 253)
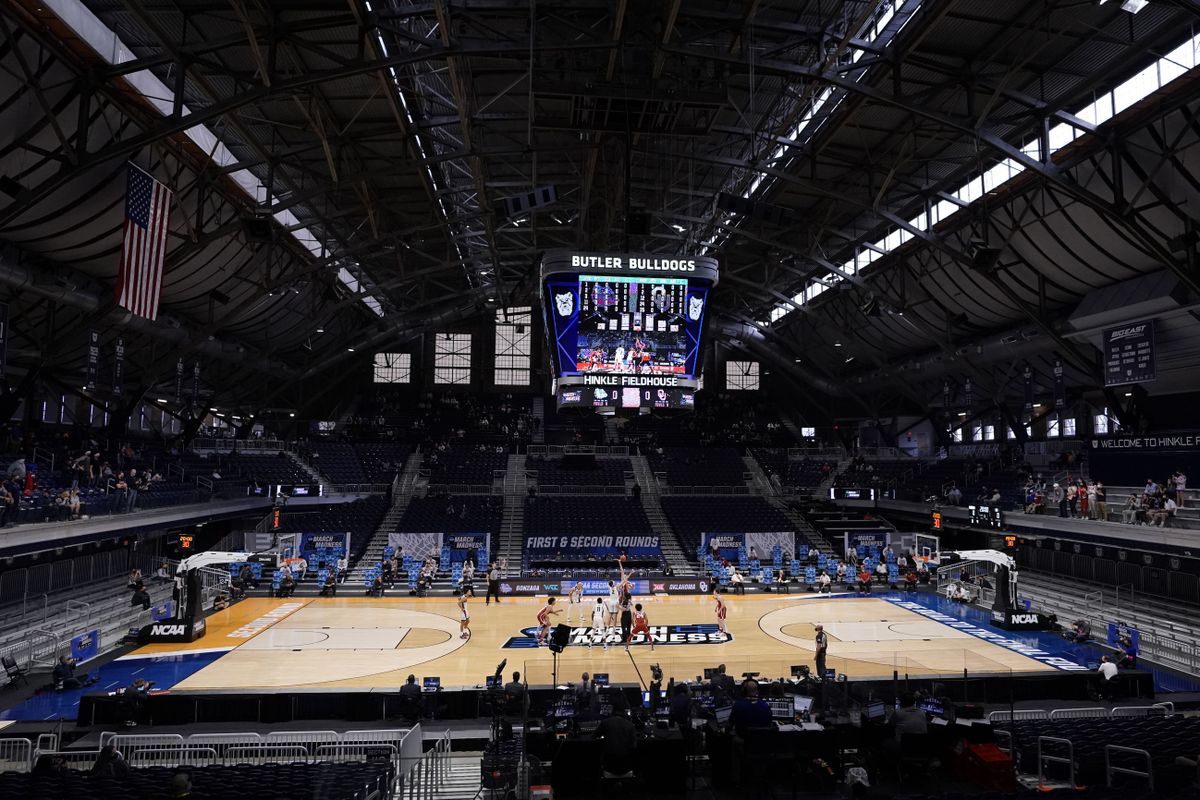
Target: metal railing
point(223, 445)
point(1111, 769)
point(1043, 758)
point(423, 780)
point(800, 453)
point(1018, 715)
point(461, 488)
point(16, 755)
point(357, 488)
point(576, 449)
point(580, 489)
point(718, 490)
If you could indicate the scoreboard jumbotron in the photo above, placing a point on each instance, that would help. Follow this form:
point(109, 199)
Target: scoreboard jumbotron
point(626, 331)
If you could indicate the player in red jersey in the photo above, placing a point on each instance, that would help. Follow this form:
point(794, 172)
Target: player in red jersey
point(543, 618)
point(721, 610)
point(641, 624)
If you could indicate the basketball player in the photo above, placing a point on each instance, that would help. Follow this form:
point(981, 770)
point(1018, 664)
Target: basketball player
point(543, 618)
point(575, 602)
point(468, 578)
point(721, 610)
point(599, 615)
point(611, 603)
point(626, 604)
point(641, 624)
point(464, 616)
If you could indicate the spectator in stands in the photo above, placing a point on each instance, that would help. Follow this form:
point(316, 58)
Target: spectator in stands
point(1131, 510)
point(162, 574)
point(8, 507)
point(737, 582)
point(1108, 674)
point(864, 581)
point(1179, 486)
point(723, 686)
point(17, 470)
point(824, 583)
point(181, 785)
point(1151, 487)
point(1072, 501)
point(908, 718)
point(329, 588)
point(109, 763)
point(1127, 651)
point(343, 568)
point(1081, 491)
point(135, 578)
point(220, 602)
point(1163, 516)
point(1059, 497)
point(910, 581)
point(750, 711)
point(246, 576)
point(287, 585)
point(1079, 632)
point(376, 588)
point(140, 597)
point(881, 572)
point(954, 496)
point(1101, 502)
point(781, 581)
point(63, 675)
point(386, 573)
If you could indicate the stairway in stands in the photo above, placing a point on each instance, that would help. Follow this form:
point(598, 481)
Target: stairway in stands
point(539, 420)
point(512, 523)
point(317, 477)
point(677, 559)
point(401, 497)
point(463, 780)
point(803, 527)
point(762, 484)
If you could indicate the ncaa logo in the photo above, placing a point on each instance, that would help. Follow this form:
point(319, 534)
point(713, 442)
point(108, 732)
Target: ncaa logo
point(565, 303)
point(166, 630)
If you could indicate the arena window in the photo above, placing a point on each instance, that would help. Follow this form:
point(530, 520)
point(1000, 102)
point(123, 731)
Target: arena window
point(393, 368)
point(989, 433)
point(741, 376)
point(1053, 430)
point(977, 433)
point(514, 338)
point(956, 435)
point(452, 358)
point(808, 433)
point(1068, 426)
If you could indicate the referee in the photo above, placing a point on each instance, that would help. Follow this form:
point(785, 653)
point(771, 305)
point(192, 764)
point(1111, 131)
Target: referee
point(822, 645)
point(493, 581)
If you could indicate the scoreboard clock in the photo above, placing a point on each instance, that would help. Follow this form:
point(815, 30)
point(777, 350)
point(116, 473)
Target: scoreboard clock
point(985, 516)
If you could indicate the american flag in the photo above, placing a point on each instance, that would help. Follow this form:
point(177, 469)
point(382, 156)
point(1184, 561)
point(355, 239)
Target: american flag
point(147, 212)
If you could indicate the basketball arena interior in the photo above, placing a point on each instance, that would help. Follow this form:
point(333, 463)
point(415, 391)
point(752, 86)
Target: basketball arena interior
point(534, 399)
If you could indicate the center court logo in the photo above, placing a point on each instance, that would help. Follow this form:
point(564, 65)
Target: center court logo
point(659, 634)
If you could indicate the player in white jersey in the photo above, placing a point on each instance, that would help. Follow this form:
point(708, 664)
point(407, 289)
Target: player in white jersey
point(610, 604)
point(575, 602)
point(599, 617)
point(464, 616)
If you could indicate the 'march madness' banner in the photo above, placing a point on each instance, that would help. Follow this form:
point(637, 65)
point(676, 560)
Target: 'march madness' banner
point(420, 545)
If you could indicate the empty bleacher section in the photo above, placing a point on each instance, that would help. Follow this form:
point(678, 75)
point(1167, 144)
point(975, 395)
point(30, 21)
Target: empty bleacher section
point(692, 515)
point(603, 523)
point(357, 463)
point(353, 765)
point(795, 473)
point(570, 471)
point(447, 514)
point(699, 466)
point(464, 464)
point(573, 426)
point(1086, 745)
point(43, 606)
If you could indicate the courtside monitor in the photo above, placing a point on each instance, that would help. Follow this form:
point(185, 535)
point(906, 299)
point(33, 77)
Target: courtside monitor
point(493, 682)
point(431, 684)
point(876, 710)
point(801, 704)
point(722, 714)
point(600, 679)
point(626, 330)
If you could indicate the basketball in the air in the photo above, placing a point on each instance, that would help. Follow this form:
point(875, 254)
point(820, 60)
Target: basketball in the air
point(621, 559)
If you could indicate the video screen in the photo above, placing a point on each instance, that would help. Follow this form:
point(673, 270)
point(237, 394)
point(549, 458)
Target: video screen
point(631, 325)
point(625, 325)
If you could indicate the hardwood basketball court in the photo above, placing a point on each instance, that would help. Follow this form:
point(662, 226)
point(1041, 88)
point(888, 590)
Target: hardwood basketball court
point(369, 643)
